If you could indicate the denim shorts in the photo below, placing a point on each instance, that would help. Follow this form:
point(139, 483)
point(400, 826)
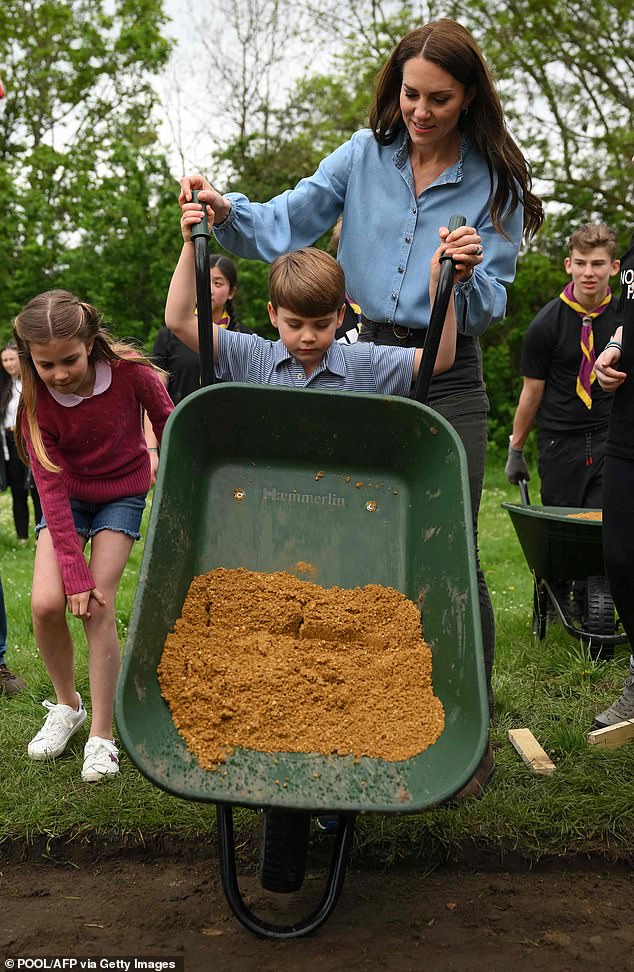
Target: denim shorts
point(121, 515)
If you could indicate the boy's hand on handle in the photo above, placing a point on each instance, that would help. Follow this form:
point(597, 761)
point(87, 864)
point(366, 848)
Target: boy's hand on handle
point(605, 366)
point(218, 208)
point(191, 215)
point(464, 246)
point(79, 604)
point(516, 468)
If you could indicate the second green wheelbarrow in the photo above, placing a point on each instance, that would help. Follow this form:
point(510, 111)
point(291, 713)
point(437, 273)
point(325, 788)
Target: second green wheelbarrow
point(564, 544)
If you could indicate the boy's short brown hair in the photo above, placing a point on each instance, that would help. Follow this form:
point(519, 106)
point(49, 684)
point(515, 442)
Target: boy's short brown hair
point(309, 282)
point(591, 236)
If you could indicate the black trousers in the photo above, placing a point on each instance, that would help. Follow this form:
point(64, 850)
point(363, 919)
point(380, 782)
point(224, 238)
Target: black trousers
point(618, 537)
point(18, 476)
point(571, 467)
point(459, 395)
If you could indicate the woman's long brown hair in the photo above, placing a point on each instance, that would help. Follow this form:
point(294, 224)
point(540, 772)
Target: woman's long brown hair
point(450, 46)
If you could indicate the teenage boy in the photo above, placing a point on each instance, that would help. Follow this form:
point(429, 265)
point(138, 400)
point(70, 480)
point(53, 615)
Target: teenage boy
point(307, 303)
point(560, 390)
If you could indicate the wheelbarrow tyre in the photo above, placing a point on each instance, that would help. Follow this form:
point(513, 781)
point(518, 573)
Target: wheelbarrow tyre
point(283, 850)
point(599, 620)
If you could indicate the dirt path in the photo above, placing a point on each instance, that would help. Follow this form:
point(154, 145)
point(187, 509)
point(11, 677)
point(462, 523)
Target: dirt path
point(539, 920)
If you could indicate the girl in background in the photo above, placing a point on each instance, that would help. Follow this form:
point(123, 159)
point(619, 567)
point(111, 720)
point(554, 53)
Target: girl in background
point(19, 477)
point(180, 363)
point(79, 423)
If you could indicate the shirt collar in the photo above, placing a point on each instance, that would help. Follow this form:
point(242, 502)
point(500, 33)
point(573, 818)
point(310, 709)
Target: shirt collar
point(452, 174)
point(333, 360)
point(103, 378)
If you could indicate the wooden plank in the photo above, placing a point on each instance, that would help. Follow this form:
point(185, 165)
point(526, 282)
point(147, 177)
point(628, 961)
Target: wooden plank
point(531, 752)
point(612, 736)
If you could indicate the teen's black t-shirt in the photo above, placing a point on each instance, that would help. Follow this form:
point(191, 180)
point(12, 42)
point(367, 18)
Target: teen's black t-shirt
point(621, 436)
point(552, 353)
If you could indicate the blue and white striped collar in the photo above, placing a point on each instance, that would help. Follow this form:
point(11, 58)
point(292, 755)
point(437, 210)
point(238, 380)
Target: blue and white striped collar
point(333, 360)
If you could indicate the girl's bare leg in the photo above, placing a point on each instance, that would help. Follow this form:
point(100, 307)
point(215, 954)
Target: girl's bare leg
point(48, 609)
point(109, 554)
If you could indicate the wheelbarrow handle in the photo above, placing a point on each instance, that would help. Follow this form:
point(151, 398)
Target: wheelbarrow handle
point(200, 239)
point(436, 320)
point(523, 485)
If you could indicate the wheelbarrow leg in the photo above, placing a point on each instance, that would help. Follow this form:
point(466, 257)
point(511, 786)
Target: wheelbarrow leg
point(265, 929)
point(540, 608)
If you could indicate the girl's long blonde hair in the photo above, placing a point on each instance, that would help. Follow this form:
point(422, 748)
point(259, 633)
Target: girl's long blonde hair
point(53, 315)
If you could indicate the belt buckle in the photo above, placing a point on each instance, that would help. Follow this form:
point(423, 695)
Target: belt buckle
point(396, 328)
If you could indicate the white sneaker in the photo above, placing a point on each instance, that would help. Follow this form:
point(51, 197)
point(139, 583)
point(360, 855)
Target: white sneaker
point(60, 724)
point(101, 758)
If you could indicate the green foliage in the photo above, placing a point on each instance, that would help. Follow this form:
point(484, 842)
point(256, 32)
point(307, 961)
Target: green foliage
point(538, 280)
point(81, 173)
point(568, 95)
point(577, 132)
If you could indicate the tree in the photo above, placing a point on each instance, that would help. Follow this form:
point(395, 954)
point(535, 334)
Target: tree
point(568, 92)
point(81, 171)
point(567, 95)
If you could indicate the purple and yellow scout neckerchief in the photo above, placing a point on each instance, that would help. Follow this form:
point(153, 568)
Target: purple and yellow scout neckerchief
point(224, 321)
point(586, 369)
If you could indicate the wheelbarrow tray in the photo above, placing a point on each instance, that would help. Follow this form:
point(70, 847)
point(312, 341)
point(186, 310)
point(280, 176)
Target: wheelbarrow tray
point(265, 478)
point(556, 545)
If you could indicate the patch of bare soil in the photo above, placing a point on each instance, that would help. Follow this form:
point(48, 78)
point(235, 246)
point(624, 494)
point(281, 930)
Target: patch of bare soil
point(558, 917)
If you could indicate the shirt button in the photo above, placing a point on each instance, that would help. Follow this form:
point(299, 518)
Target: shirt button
point(301, 375)
point(414, 211)
point(401, 269)
point(408, 239)
point(393, 296)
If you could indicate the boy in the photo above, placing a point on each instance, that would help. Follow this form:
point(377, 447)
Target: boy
point(559, 387)
point(307, 304)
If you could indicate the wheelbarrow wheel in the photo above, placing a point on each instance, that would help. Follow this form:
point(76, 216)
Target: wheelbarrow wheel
point(283, 850)
point(540, 610)
point(600, 621)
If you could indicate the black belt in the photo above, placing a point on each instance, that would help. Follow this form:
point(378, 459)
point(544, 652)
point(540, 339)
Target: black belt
point(399, 330)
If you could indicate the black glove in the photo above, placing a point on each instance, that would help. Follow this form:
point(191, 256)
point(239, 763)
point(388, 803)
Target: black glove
point(516, 467)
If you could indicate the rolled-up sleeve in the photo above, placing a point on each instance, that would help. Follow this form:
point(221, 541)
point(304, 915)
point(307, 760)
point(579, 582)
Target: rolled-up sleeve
point(295, 218)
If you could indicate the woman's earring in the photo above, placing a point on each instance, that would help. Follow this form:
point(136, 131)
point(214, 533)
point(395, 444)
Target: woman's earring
point(465, 111)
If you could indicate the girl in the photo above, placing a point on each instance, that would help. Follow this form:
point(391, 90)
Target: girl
point(224, 283)
point(181, 364)
point(79, 423)
point(19, 476)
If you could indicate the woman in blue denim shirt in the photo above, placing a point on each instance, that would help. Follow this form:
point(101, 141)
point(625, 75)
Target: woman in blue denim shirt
point(437, 145)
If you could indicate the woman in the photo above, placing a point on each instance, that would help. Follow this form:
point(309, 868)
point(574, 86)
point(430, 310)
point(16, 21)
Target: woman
point(19, 476)
point(437, 145)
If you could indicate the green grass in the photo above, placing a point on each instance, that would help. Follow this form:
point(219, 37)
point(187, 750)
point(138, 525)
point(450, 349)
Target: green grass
point(551, 687)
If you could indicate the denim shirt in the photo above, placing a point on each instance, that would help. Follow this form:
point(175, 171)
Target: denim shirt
point(388, 234)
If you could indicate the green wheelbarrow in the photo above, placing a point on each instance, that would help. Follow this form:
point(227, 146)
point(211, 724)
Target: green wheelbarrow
point(561, 545)
point(238, 487)
point(367, 490)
